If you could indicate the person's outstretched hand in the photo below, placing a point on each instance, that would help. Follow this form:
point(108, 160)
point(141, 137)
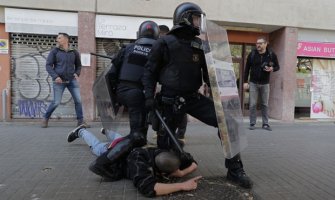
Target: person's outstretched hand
point(191, 184)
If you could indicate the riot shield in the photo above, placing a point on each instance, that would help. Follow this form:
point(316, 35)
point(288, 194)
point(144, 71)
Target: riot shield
point(223, 88)
point(110, 111)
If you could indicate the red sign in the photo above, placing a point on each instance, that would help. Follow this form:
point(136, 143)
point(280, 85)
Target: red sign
point(316, 49)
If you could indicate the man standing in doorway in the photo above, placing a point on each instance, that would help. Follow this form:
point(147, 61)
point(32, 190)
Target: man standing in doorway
point(64, 66)
point(260, 63)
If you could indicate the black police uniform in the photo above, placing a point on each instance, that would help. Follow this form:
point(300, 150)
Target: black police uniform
point(129, 64)
point(177, 62)
point(126, 73)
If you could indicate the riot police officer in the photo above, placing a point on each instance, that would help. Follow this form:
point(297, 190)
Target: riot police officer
point(125, 75)
point(178, 63)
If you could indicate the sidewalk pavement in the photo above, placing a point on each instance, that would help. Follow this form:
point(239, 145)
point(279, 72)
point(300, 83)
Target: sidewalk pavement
point(294, 161)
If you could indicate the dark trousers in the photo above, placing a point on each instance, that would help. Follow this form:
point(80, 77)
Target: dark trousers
point(182, 127)
point(133, 99)
point(199, 106)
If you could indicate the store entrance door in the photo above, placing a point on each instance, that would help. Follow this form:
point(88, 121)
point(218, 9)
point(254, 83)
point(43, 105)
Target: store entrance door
point(238, 68)
point(239, 54)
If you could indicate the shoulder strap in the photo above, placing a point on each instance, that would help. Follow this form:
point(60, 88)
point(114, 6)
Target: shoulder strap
point(252, 58)
point(270, 54)
point(253, 52)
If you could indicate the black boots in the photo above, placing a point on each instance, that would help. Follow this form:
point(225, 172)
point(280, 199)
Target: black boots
point(236, 172)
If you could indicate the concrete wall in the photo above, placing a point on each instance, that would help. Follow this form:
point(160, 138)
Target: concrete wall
point(282, 82)
point(2, 14)
point(86, 44)
point(316, 35)
point(5, 75)
point(300, 13)
point(64, 5)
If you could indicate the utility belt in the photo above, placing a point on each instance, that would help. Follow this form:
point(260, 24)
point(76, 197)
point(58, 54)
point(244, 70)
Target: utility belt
point(178, 101)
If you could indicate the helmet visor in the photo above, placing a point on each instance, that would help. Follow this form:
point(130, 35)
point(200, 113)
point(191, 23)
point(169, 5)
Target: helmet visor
point(203, 25)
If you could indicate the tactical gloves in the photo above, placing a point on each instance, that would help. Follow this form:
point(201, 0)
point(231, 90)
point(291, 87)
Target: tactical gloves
point(150, 103)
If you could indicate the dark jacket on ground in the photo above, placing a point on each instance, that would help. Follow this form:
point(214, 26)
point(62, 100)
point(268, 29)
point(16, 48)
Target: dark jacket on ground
point(141, 169)
point(63, 64)
point(254, 66)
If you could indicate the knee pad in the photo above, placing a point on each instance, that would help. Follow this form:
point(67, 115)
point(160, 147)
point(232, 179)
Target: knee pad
point(120, 150)
point(138, 139)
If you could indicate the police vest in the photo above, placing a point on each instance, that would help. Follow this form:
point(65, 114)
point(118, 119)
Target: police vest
point(136, 56)
point(184, 70)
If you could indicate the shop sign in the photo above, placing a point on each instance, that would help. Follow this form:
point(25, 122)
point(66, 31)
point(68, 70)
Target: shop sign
point(40, 22)
point(316, 49)
point(122, 27)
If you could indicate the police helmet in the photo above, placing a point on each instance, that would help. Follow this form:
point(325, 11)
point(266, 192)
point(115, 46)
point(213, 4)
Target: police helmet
point(183, 16)
point(148, 29)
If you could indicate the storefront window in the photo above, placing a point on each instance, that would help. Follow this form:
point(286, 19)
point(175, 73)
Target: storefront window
point(303, 82)
point(236, 50)
point(248, 49)
point(236, 53)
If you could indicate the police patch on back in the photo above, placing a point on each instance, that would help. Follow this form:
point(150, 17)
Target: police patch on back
point(143, 50)
point(139, 55)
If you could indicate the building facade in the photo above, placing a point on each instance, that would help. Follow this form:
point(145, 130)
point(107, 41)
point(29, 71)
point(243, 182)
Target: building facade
point(28, 30)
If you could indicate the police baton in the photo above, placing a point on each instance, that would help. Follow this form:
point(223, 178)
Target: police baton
point(100, 55)
point(169, 131)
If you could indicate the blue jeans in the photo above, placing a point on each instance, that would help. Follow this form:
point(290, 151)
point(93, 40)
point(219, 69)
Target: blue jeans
point(59, 88)
point(97, 147)
point(254, 91)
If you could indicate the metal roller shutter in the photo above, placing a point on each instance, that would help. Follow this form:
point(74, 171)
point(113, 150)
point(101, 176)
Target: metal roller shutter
point(108, 47)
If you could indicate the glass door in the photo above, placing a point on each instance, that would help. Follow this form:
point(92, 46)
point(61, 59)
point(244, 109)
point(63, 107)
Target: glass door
point(239, 54)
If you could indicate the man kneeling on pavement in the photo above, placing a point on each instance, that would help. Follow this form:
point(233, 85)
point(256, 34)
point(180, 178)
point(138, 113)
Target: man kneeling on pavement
point(148, 167)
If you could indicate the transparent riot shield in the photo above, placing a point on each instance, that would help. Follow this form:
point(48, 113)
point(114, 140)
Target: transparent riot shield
point(109, 110)
point(223, 88)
